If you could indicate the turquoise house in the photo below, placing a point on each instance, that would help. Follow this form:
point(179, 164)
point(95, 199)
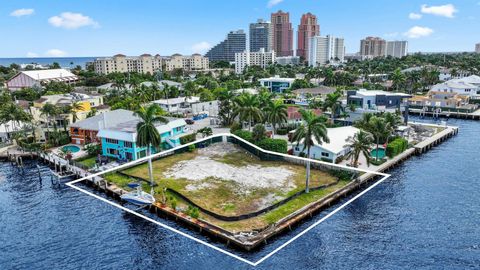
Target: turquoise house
point(120, 141)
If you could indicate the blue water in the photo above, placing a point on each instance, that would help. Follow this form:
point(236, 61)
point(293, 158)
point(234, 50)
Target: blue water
point(65, 62)
point(424, 217)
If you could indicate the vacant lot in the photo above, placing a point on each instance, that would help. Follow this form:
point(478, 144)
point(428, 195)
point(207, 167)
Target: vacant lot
point(228, 180)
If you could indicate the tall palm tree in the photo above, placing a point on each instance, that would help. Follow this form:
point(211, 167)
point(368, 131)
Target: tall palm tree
point(247, 109)
point(312, 129)
point(380, 129)
point(48, 110)
point(276, 113)
point(333, 102)
point(76, 107)
point(147, 134)
point(360, 143)
point(398, 79)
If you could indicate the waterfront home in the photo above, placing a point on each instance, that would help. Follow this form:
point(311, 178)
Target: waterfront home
point(119, 141)
point(276, 84)
point(37, 78)
point(176, 105)
point(442, 100)
point(375, 101)
point(88, 102)
point(335, 150)
point(468, 86)
point(85, 131)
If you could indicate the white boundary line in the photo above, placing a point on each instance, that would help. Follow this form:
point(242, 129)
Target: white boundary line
point(139, 161)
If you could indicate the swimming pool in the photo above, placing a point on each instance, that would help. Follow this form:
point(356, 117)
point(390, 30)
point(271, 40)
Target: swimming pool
point(71, 148)
point(381, 153)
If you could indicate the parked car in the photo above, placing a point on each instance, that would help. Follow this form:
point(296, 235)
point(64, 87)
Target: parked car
point(189, 121)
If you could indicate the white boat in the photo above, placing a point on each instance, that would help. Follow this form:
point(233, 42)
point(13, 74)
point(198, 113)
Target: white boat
point(138, 196)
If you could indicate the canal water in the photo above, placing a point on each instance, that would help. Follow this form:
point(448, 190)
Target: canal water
point(425, 216)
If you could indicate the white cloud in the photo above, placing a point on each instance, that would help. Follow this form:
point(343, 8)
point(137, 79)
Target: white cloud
point(22, 12)
point(69, 20)
point(55, 53)
point(32, 54)
point(272, 3)
point(418, 32)
point(414, 16)
point(447, 10)
point(201, 47)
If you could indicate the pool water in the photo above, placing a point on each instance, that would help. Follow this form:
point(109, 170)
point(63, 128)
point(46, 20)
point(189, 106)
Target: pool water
point(71, 148)
point(381, 153)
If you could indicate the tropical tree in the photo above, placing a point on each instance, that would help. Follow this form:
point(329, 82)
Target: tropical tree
point(147, 133)
point(311, 131)
point(360, 143)
point(333, 102)
point(276, 113)
point(380, 129)
point(398, 79)
point(76, 107)
point(49, 110)
point(247, 109)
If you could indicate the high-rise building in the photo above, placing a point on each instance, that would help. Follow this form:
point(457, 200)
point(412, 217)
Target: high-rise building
point(477, 48)
point(261, 59)
point(308, 28)
point(323, 50)
point(372, 47)
point(396, 48)
point(260, 36)
point(282, 34)
point(235, 42)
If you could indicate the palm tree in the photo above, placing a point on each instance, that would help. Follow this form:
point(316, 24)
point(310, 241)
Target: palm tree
point(333, 102)
point(247, 108)
point(312, 129)
point(398, 79)
point(76, 107)
point(48, 110)
point(360, 143)
point(380, 129)
point(276, 113)
point(147, 134)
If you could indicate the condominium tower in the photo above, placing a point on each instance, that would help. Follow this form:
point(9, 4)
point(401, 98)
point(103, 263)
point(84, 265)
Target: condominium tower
point(323, 50)
point(372, 47)
point(282, 36)
point(261, 59)
point(308, 28)
point(235, 42)
point(477, 48)
point(260, 36)
point(396, 49)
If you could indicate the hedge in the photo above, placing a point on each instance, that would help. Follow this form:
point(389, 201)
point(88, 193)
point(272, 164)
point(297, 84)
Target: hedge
point(396, 147)
point(275, 145)
point(188, 138)
point(244, 134)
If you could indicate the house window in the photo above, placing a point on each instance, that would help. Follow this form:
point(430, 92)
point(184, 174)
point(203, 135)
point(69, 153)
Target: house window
point(128, 156)
point(111, 151)
point(142, 154)
point(108, 140)
point(128, 144)
point(325, 154)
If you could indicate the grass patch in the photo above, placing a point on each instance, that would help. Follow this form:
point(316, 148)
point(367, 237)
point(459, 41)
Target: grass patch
point(87, 161)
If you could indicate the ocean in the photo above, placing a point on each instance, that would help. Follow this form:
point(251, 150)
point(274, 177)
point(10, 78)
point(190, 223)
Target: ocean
point(65, 62)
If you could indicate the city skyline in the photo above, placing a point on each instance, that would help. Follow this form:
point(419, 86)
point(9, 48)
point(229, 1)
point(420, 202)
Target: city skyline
point(102, 29)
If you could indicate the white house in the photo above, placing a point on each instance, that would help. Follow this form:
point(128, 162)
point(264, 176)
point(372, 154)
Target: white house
point(36, 78)
point(277, 84)
point(334, 149)
point(176, 105)
point(465, 86)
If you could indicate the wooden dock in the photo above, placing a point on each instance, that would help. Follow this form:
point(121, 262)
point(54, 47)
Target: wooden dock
point(445, 114)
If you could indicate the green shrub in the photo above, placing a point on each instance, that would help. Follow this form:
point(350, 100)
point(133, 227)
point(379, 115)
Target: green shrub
point(193, 212)
point(235, 126)
point(282, 131)
point(396, 147)
point(244, 134)
point(173, 203)
point(377, 162)
point(191, 148)
point(188, 138)
point(258, 133)
point(93, 149)
point(274, 145)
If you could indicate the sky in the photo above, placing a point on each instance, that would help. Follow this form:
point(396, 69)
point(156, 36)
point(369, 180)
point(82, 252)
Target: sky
point(76, 28)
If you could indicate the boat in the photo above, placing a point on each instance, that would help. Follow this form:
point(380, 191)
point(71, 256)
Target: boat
point(138, 196)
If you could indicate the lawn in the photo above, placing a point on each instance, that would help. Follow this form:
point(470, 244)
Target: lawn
point(229, 181)
point(87, 161)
